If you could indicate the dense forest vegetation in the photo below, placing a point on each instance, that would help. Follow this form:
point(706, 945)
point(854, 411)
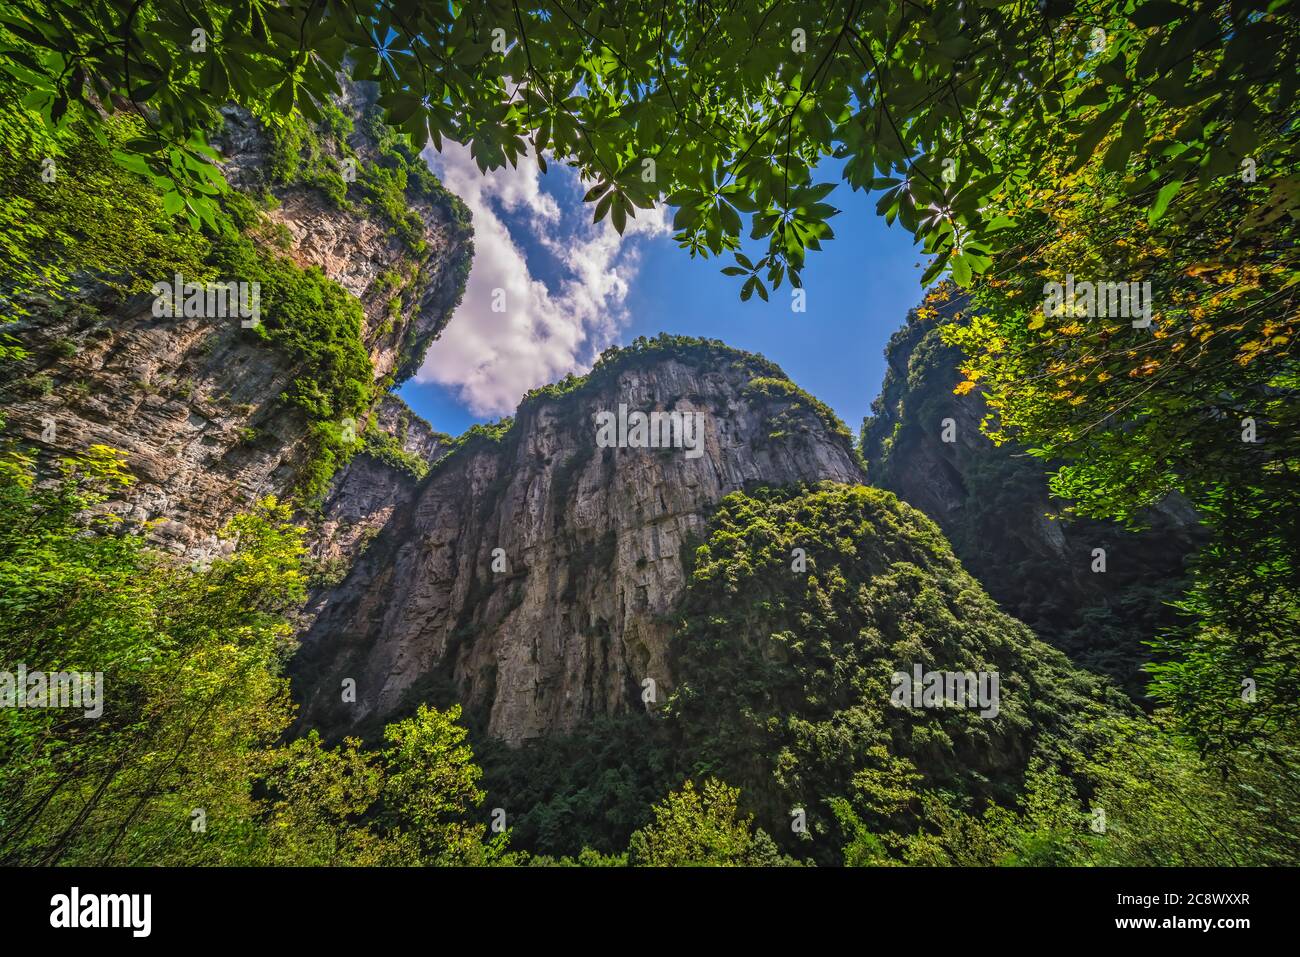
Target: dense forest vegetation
point(799, 722)
point(1134, 141)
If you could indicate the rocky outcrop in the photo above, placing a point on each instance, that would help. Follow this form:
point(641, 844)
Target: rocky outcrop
point(191, 402)
point(924, 444)
point(533, 576)
point(353, 245)
point(196, 403)
point(368, 489)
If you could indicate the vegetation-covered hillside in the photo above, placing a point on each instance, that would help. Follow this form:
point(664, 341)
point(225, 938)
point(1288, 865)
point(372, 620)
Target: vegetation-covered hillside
point(801, 609)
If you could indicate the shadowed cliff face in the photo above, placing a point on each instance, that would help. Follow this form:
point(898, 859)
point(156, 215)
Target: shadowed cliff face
point(573, 614)
point(196, 402)
point(924, 444)
point(365, 492)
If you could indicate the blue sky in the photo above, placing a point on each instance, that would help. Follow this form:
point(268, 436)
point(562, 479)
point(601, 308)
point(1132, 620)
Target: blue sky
point(566, 289)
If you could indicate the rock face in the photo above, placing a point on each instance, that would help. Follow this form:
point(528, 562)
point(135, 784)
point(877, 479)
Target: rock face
point(365, 492)
point(355, 247)
point(533, 575)
point(994, 506)
point(194, 403)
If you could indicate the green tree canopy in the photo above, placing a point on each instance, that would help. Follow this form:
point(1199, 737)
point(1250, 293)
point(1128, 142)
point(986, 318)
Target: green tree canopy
point(702, 827)
point(185, 764)
point(722, 110)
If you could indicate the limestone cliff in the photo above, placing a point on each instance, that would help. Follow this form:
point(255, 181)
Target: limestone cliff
point(574, 612)
point(198, 403)
point(365, 492)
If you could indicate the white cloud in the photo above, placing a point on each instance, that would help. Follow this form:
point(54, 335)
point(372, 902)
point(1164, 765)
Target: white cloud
point(490, 359)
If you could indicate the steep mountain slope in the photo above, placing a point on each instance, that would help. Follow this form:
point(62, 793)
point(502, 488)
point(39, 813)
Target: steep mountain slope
point(801, 607)
point(576, 614)
point(994, 506)
point(396, 450)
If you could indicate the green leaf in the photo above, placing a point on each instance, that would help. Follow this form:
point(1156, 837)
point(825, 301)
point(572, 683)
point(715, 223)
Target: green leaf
point(1161, 203)
point(1133, 133)
point(1095, 132)
point(686, 217)
point(401, 106)
point(961, 271)
point(131, 162)
point(282, 98)
point(602, 207)
point(730, 219)
point(934, 269)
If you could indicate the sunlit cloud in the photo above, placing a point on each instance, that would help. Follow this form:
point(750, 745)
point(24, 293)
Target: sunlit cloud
point(546, 329)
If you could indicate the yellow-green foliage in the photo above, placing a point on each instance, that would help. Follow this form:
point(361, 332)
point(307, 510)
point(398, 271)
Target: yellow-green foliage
point(701, 828)
point(784, 389)
point(66, 210)
point(100, 223)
